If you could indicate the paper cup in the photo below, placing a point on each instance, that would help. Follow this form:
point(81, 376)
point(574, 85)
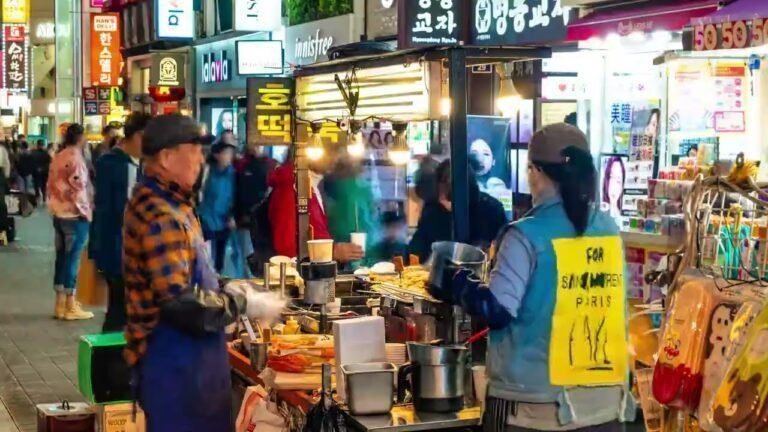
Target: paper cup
point(359, 239)
point(320, 251)
point(480, 381)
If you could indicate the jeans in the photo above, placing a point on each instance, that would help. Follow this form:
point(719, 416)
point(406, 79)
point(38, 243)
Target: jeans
point(71, 237)
point(243, 249)
point(218, 241)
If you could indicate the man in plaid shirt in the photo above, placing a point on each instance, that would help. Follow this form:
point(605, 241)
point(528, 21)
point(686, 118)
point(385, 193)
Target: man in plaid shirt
point(182, 377)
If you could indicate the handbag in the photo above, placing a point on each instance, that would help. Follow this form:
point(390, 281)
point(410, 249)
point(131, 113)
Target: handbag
point(91, 285)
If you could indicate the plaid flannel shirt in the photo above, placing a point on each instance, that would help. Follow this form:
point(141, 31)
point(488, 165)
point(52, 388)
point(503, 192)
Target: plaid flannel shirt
point(160, 231)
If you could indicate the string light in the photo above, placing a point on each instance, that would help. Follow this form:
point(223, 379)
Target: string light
point(315, 149)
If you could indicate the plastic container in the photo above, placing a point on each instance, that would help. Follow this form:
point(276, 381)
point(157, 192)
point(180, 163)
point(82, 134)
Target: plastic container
point(369, 387)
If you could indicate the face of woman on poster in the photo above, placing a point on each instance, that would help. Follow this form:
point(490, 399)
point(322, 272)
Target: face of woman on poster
point(653, 124)
point(482, 153)
point(616, 186)
point(389, 140)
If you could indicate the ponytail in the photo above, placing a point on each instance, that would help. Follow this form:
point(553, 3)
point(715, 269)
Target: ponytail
point(577, 180)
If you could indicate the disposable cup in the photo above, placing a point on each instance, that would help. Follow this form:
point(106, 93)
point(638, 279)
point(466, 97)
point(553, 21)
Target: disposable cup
point(320, 251)
point(480, 380)
point(359, 239)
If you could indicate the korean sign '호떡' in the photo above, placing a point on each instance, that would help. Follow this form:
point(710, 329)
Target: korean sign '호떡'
point(105, 49)
point(15, 57)
point(269, 111)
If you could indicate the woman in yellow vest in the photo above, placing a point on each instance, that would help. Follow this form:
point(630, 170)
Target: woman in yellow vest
point(555, 303)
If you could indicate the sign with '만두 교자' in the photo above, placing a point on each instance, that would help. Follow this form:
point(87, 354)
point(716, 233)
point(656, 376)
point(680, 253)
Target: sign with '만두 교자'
point(588, 345)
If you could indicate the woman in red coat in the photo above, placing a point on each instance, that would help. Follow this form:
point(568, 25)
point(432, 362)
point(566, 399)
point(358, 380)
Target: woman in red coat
point(283, 215)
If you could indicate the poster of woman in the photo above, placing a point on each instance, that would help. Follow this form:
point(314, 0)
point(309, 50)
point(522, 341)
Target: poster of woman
point(613, 174)
point(489, 145)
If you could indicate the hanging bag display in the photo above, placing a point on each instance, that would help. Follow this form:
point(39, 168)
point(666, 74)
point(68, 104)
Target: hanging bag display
point(741, 402)
point(677, 377)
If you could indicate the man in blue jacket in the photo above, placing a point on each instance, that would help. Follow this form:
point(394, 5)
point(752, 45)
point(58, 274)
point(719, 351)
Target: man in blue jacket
point(116, 173)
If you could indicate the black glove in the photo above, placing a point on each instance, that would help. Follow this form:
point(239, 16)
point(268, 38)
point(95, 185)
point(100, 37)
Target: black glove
point(445, 292)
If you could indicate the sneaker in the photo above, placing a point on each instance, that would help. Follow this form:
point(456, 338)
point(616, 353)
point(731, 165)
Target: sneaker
point(75, 312)
point(60, 309)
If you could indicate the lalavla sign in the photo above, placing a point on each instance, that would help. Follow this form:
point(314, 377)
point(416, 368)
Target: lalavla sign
point(309, 43)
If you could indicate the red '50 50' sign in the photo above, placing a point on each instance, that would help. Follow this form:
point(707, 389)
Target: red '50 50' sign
point(730, 35)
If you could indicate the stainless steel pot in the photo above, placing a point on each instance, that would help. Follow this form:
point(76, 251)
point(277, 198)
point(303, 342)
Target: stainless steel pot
point(436, 377)
point(455, 254)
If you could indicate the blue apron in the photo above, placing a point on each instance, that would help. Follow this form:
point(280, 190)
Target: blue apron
point(185, 383)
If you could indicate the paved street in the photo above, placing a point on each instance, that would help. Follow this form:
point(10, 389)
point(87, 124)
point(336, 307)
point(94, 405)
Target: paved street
point(38, 355)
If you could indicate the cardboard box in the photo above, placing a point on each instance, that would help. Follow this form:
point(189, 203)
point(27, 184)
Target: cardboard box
point(119, 418)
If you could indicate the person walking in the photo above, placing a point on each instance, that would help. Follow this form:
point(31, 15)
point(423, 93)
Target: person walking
point(117, 172)
point(69, 200)
point(218, 200)
point(175, 340)
point(251, 189)
point(557, 350)
point(42, 164)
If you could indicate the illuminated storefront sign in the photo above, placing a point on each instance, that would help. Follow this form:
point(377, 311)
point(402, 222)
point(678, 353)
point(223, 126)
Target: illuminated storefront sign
point(15, 58)
point(395, 92)
point(15, 11)
point(216, 69)
point(519, 22)
point(168, 70)
point(258, 15)
point(175, 19)
point(269, 111)
point(259, 57)
point(105, 49)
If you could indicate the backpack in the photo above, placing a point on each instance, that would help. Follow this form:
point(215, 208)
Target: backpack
point(261, 236)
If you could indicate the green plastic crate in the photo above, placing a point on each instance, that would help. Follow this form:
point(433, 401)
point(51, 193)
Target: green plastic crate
point(88, 350)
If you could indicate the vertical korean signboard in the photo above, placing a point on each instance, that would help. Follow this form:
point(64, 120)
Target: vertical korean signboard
point(15, 11)
point(270, 111)
point(15, 61)
point(105, 49)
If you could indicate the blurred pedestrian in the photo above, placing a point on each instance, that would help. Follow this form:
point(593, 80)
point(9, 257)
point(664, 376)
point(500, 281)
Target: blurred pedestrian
point(42, 160)
point(117, 172)
point(217, 204)
point(251, 189)
point(109, 137)
point(486, 216)
point(69, 200)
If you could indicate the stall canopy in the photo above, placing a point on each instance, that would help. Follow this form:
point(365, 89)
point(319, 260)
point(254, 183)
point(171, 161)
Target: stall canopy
point(737, 11)
point(641, 17)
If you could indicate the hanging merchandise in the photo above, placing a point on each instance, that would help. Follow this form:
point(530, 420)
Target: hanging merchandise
point(727, 337)
point(740, 403)
point(677, 377)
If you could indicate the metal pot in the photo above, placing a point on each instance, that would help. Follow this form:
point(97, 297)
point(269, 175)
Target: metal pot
point(446, 254)
point(436, 377)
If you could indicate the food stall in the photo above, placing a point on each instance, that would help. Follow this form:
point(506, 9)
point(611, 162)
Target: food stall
point(381, 315)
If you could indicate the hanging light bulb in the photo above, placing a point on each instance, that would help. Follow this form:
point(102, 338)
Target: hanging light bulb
point(400, 154)
point(315, 149)
point(355, 144)
point(508, 100)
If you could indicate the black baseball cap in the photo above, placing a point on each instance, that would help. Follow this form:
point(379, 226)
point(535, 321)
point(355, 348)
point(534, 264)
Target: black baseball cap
point(170, 131)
